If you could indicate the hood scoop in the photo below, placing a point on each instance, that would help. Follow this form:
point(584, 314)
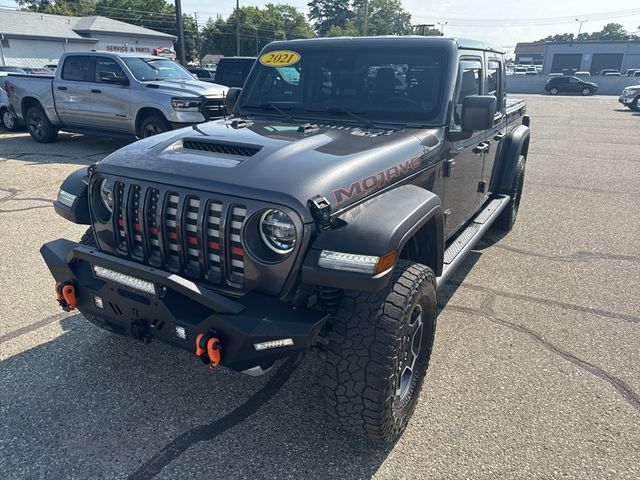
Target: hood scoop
point(224, 148)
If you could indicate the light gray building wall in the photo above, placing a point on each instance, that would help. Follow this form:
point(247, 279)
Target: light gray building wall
point(591, 56)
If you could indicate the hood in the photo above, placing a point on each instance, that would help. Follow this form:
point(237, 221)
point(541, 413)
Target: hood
point(278, 163)
point(187, 88)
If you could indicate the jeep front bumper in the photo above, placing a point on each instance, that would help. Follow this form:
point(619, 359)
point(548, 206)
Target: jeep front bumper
point(174, 310)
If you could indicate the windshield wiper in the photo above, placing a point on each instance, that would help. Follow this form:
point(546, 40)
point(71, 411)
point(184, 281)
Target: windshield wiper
point(270, 105)
point(349, 113)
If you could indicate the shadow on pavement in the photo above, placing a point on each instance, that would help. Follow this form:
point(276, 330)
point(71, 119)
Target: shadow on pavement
point(92, 404)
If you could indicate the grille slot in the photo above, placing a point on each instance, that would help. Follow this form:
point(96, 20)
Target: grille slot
point(213, 108)
point(133, 216)
point(236, 270)
point(235, 150)
point(119, 208)
point(171, 232)
point(214, 251)
point(152, 227)
point(191, 238)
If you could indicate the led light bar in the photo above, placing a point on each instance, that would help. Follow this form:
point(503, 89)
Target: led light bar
point(126, 280)
point(66, 198)
point(283, 342)
point(348, 262)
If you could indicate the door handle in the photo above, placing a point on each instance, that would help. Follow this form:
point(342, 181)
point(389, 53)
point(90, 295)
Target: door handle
point(95, 90)
point(62, 88)
point(499, 136)
point(481, 147)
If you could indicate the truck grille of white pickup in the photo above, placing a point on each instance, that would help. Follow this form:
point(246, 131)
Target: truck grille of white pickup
point(212, 108)
point(195, 236)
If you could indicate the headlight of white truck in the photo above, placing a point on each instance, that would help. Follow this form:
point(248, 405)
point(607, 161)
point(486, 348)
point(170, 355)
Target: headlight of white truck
point(186, 104)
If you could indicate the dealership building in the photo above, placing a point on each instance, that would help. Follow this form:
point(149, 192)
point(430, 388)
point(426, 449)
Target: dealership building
point(30, 39)
point(587, 56)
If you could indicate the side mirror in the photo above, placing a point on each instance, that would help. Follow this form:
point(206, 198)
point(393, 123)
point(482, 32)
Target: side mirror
point(231, 99)
point(478, 112)
point(111, 77)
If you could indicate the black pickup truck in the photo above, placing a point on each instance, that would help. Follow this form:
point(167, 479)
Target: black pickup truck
point(351, 179)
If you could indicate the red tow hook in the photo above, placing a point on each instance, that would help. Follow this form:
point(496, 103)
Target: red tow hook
point(208, 349)
point(66, 296)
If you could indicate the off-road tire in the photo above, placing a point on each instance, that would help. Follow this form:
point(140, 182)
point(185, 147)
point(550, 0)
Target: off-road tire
point(507, 218)
point(366, 351)
point(153, 124)
point(8, 120)
point(39, 126)
point(89, 239)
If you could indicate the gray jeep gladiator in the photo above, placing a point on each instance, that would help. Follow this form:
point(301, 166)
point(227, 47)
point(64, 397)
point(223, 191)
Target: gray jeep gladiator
point(349, 182)
point(112, 94)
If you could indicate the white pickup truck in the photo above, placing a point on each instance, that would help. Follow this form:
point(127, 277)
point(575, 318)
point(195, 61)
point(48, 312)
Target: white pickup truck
point(108, 94)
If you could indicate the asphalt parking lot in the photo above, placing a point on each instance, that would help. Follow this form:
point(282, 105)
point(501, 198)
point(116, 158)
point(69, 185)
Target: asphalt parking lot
point(535, 371)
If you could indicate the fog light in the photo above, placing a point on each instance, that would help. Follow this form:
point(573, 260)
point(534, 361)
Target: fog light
point(97, 301)
point(181, 333)
point(283, 342)
point(126, 280)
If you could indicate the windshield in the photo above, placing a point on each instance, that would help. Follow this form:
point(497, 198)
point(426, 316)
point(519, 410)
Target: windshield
point(385, 85)
point(154, 69)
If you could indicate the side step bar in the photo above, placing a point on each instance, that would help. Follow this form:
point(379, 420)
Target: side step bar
point(461, 246)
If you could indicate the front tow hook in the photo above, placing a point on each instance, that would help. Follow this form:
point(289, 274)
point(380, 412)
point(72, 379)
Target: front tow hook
point(208, 349)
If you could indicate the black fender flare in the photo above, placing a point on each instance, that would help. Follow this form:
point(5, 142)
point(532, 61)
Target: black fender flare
point(376, 227)
point(517, 143)
point(75, 184)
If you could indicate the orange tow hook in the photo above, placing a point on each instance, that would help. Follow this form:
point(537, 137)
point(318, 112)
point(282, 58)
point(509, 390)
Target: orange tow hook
point(66, 296)
point(208, 349)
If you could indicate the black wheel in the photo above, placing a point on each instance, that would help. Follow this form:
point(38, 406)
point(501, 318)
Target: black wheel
point(8, 120)
point(153, 125)
point(507, 218)
point(635, 105)
point(586, 92)
point(553, 91)
point(39, 126)
point(378, 353)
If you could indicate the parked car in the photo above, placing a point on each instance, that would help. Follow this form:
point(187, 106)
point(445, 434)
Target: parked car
point(112, 94)
point(10, 69)
point(327, 212)
point(7, 120)
point(233, 71)
point(633, 72)
point(630, 97)
point(203, 74)
point(582, 74)
point(604, 71)
point(612, 74)
point(570, 84)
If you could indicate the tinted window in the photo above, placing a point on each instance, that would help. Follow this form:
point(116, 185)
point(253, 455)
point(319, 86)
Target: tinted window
point(233, 73)
point(494, 81)
point(469, 83)
point(77, 68)
point(381, 84)
point(108, 66)
point(155, 69)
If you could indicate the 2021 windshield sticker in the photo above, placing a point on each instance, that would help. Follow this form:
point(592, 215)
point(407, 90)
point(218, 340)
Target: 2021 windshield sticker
point(280, 58)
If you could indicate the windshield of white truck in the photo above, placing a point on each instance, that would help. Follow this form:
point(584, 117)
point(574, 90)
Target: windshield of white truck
point(381, 85)
point(155, 69)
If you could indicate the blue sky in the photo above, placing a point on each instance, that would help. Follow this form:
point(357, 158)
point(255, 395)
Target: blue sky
point(500, 22)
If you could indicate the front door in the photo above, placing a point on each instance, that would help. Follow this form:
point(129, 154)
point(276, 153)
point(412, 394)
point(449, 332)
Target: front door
point(71, 91)
point(111, 108)
point(463, 167)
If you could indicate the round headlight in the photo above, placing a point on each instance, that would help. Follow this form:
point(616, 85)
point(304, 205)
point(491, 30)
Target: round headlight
point(106, 194)
point(278, 231)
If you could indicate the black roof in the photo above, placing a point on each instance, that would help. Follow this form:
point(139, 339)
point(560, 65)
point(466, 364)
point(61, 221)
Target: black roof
point(395, 40)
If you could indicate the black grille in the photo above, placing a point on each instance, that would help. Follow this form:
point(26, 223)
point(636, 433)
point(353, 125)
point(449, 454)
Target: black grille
point(186, 234)
point(236, 150)
point(213, 108)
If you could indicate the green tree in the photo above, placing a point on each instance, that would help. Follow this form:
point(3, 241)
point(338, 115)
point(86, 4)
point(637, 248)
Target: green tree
point(327, 14)
point(611, 31)
point(384, 17)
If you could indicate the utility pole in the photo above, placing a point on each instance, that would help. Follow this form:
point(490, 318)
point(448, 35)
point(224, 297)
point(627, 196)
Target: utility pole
point(198, 39)
point(366, 17)
point(442, 24)
point(237, 28)
point(257, 46)
point(580, 27)
point(181, 57)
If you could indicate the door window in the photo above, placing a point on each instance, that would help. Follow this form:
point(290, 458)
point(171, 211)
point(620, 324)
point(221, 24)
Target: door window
point(77, 69)
point(107, 66)
point(494, 83)
point(469, 83)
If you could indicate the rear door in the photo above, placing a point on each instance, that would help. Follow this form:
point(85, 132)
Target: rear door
point(464, 165)
point(494, 85)
point(71, 90)
point(110, 103)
